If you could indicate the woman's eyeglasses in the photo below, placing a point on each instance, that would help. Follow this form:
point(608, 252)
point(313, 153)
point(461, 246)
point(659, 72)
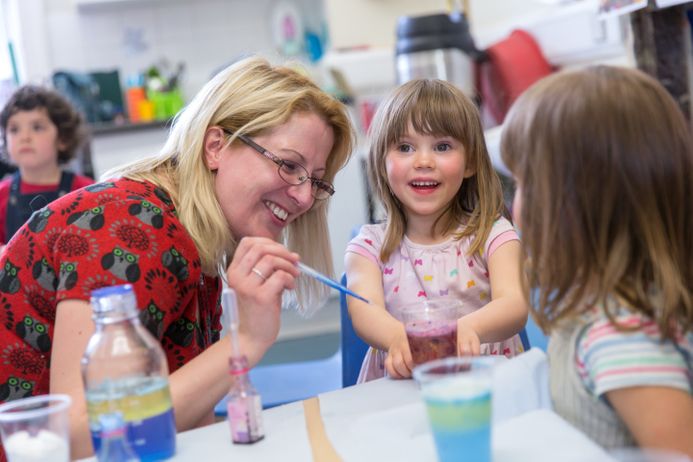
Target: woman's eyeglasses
point(290, 171)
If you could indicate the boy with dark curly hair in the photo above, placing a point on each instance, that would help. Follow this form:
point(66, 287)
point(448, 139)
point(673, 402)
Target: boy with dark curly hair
point(41, 131)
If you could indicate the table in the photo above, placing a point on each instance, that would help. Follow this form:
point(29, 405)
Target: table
point(385, 420)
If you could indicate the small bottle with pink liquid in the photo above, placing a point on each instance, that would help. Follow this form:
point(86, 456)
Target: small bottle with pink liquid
point(244, 404)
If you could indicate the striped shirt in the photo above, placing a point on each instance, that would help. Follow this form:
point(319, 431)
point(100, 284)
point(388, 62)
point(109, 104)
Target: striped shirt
point(590, 357)
point(609, 358)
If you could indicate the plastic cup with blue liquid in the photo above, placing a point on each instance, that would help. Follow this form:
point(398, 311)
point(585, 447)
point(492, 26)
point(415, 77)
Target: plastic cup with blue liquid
point(457, 394)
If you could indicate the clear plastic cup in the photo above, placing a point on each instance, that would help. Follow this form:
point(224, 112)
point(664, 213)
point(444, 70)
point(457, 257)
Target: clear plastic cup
point(457, 393)
point(431, 327)
point(36, 429)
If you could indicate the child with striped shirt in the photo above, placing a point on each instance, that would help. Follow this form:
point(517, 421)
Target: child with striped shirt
point(603, 160)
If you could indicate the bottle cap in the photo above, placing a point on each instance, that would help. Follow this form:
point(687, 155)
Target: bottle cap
point(114, 300)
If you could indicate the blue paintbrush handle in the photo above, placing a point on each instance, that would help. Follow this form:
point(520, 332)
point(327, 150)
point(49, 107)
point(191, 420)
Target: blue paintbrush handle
point(325, 280)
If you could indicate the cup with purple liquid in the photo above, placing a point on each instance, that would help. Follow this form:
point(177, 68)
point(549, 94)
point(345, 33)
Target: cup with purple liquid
point(431, 327)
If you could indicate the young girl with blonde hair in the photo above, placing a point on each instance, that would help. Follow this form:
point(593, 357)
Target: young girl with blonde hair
point(444, 236)
point(603, 160)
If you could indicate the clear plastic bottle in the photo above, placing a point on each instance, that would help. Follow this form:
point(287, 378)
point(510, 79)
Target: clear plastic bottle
point(244, 404)
point(114, 444)
point(124, 369)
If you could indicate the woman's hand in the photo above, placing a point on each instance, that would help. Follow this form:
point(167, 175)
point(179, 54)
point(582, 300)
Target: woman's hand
point(468, 341)
point(399, 362)
point(260, 271)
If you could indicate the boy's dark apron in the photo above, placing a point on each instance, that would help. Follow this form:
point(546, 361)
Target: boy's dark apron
point(21, 206)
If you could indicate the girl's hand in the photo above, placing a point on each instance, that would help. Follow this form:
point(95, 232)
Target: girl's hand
point(399, 362)
point(260, 271)
point(468, 342)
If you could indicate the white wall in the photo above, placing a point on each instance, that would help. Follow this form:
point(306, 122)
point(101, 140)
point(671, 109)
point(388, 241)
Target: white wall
point(377, 19)
point(355, 23)
point(84, 35)
point(91, 35)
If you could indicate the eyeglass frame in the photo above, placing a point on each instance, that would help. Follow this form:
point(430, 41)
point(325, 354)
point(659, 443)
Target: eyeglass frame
point(315, 182)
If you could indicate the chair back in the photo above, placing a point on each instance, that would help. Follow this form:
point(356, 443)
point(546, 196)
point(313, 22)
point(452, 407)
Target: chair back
point(535, 336)
point(353, 348)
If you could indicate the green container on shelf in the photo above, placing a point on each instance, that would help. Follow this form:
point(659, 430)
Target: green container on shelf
point(166, 104)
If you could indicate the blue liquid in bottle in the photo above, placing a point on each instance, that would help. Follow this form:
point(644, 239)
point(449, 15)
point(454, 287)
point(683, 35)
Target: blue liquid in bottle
point(125, 371)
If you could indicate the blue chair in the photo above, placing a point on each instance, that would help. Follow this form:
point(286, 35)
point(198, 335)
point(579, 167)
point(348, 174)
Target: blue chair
point(353, 348)
point(526, 344)
point(535, 336)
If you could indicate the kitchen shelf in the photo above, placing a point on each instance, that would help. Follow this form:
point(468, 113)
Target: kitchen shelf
point(110, 128)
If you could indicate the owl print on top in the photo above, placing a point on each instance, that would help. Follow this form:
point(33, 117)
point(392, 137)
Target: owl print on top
point(45, 275)
point(181, 332)
point(39, 219)
point(163, 196)
point(147, 213)
point(122, 264)
point(153, 319)
point(15, 388)
point(91, 219)
point(175, 263)
point(9, 282)
point(34, 333)
point(68, 275)
point(160, 262)
point(98, 187)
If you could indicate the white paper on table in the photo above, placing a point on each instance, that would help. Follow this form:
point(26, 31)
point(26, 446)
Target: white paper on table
point(521, 384)
point(400, 434)
point(403, 434)
point(543, 436)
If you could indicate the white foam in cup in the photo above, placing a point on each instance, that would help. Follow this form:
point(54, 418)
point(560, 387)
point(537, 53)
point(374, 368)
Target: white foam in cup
point(36, 429)
point(44, 446)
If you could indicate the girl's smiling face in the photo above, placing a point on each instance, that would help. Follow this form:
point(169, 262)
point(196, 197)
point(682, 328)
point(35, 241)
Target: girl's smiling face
point(425, 173)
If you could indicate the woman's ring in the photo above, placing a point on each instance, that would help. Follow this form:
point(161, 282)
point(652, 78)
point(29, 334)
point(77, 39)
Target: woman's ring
point(259, 273)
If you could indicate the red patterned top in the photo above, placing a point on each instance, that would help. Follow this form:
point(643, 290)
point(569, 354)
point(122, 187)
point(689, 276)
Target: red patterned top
point(110, 233)
point(78, 181)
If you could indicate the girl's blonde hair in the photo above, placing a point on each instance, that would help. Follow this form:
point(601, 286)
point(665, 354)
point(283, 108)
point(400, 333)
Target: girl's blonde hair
point(604, 160)
point(249, 97)
point(436, 107)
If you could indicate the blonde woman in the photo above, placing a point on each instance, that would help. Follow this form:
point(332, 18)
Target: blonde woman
point(245, 176)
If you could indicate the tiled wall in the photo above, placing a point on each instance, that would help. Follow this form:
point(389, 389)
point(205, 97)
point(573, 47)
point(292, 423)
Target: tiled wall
point(132, 35)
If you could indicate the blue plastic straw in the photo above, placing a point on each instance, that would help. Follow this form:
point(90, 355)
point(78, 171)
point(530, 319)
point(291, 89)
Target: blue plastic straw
point(325, 280)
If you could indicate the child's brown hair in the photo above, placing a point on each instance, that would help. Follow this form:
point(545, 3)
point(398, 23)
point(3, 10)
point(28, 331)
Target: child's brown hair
point(604, 162)
point(65, 117)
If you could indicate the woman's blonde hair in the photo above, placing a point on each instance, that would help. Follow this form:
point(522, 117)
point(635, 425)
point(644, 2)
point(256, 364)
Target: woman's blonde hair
point(249, 97)
point(604, 160)
point(436, 107)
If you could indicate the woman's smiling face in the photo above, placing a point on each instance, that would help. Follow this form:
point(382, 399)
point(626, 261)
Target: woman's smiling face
point(255, 200)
